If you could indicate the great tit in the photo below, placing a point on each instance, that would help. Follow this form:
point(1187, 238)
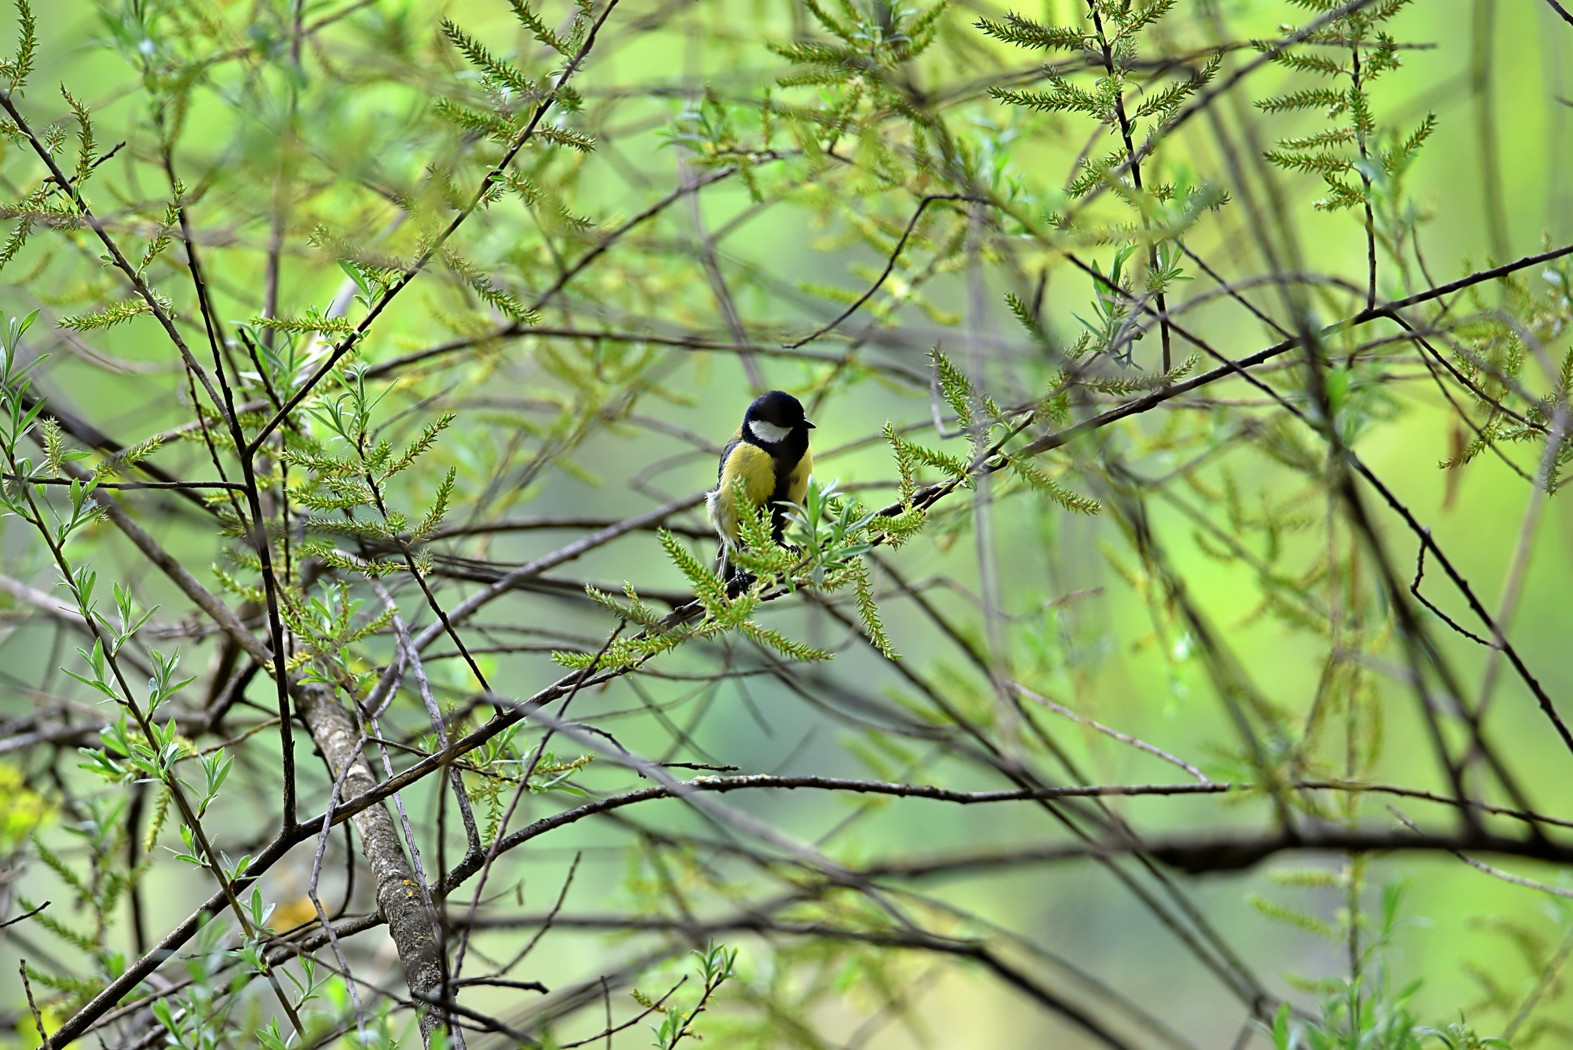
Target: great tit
point(769, 454)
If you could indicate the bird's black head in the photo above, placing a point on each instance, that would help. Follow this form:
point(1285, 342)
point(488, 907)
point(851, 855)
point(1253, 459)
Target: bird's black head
point(774, 417)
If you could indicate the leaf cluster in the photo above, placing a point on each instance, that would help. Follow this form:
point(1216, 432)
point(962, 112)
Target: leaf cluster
point(722, 612)
point(1349, 52)
point(1097, 84)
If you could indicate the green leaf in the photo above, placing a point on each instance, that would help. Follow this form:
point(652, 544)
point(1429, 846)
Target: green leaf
point(955, 387)
point(708, 588)
point(117, 314)
point(1025, 32)
point(16, 70)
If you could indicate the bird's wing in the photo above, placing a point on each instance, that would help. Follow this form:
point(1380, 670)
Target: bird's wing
point(726, 453)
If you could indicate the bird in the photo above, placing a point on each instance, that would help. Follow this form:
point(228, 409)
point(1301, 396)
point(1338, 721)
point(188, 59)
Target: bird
point(770, 455)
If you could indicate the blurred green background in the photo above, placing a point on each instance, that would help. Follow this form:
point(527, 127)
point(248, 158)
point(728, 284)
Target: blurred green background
point(1492, 72)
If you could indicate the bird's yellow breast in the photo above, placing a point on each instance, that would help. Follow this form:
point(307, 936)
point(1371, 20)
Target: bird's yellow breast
point(755, 467)
point(751, 465)
point(797, 483)
point(757, 471)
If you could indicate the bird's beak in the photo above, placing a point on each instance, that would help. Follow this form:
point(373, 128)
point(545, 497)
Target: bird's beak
point(807, 424)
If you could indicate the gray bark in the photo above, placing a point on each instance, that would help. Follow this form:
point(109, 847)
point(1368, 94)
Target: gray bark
point(411, 924)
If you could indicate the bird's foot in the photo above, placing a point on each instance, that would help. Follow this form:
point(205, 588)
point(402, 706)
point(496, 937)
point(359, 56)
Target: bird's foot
point(738, 582)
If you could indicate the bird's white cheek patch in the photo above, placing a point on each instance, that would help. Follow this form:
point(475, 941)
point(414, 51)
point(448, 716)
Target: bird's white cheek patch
point(769, 433)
